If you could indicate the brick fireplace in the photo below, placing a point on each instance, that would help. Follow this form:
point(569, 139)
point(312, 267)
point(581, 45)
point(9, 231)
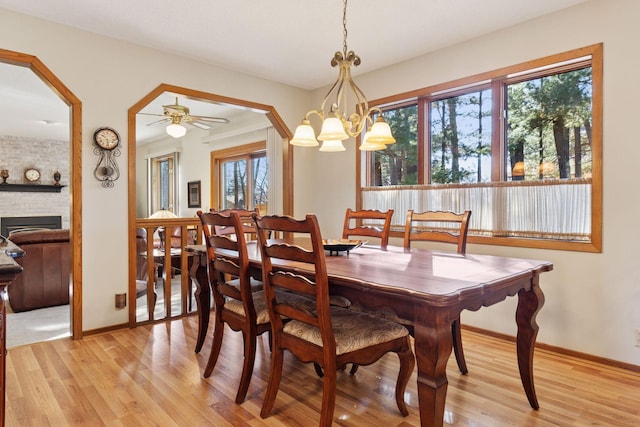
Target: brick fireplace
point(12, 223)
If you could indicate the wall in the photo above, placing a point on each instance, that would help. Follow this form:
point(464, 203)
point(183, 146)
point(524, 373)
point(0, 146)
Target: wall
point(591, 299)
point(47, 155)
point(77, 58)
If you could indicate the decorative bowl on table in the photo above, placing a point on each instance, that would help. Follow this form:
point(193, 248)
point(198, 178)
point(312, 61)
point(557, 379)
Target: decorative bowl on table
point(341, 245)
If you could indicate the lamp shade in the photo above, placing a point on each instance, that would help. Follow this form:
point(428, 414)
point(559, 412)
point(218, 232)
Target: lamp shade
point(332, 130)
point(380, 132)
point(305, 136)
point(163, 214)
point(176, 130)
point(332, 145)
point(367, 145)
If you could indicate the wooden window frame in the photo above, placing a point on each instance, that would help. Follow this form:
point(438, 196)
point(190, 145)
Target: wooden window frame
point(496, 79)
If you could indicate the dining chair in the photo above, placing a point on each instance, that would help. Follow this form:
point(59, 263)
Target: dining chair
point(446, 227)
point(248, 226)
point(237, 297)
point(356, 224)
point(327, 335)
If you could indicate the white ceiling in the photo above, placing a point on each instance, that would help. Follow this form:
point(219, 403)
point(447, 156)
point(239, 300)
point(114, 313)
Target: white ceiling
point(288, 41)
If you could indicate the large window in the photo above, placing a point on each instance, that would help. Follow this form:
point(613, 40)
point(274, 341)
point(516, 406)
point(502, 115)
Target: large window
point(162, 183)
point(520, 147)
point(241, 177)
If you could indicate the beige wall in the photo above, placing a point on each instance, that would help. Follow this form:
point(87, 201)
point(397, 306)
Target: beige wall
point(591, 299)
point(109, 76)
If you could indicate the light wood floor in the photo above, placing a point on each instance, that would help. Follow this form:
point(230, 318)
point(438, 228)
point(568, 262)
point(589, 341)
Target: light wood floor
point(150, 376)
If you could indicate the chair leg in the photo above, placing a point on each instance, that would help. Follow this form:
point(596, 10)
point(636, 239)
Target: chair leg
point(457, 346)
point(277, 358)
point(407, 363)
point(247, 368)
point(354, 369)
point(218, 333)
point(328, 396)
point(318, 369)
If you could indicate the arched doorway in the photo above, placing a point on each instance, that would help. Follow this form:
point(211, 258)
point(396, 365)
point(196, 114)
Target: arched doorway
point(267, 110)
point(75, 191)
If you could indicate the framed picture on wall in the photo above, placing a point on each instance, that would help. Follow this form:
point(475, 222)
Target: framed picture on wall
point(193, 194)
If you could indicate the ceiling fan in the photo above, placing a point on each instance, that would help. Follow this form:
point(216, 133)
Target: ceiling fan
point(177, 114)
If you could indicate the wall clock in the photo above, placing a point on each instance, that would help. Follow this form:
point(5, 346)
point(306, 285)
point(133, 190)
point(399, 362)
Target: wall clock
point(32, 175)
point(107, 148)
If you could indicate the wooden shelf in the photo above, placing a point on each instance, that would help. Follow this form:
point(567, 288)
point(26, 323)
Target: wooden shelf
point(31, 188)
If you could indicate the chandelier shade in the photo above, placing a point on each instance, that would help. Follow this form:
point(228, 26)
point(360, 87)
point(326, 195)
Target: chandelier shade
point(338, 124)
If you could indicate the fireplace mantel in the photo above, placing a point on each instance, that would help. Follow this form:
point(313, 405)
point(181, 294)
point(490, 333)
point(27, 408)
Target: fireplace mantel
point(31, 188)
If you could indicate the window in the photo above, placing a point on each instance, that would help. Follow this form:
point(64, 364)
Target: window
point(242, 177)
point(163, 183)
point(520, 147)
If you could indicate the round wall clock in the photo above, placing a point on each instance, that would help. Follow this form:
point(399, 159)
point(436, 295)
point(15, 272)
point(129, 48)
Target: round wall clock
point(32, 175)
point(106, 138)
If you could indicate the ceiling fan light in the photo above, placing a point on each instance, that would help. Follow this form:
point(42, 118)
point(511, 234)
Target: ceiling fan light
point(380, 132)
point(305, 136)
point(332, 130)
point(176, 130)
point(332, 145)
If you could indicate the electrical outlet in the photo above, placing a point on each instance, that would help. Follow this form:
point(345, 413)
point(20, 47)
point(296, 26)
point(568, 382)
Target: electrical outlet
point(637, 337)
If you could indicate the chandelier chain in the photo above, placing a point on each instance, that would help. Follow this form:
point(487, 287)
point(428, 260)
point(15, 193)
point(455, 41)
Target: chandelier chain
point(344, 28)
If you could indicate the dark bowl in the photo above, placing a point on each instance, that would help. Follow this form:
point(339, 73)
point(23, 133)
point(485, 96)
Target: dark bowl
point(340, 245)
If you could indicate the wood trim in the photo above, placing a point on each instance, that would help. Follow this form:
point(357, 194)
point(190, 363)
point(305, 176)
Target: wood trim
point(75, 190)
point(271, 114)
point(558, 350)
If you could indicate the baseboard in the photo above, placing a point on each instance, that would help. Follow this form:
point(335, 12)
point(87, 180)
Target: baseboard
point(551, 348)
point(105, 329)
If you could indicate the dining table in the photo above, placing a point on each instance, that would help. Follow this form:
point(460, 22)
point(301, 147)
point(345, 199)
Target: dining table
point(428, 289)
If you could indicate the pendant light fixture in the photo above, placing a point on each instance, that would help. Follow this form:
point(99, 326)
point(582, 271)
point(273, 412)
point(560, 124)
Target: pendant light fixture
point(337, 123)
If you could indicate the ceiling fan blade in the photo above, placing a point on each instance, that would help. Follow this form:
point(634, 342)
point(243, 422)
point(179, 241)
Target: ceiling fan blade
point(199, 124)
point(157, 122)
point(210, 119)
point(151, 114)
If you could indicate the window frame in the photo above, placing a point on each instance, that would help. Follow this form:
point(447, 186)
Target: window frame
point(246, 151)
point(496, 80)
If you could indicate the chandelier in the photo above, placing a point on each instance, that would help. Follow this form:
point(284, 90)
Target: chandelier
point(337, 123)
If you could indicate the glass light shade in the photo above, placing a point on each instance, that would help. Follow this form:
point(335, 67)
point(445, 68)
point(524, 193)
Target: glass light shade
point(332, 145)
point(367, 145)
point(305, 136)
point(332, 130)
point(518, 169)
point(380, 132)
point(176, 130)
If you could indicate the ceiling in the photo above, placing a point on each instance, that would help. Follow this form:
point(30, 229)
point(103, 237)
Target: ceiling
point(287, 41)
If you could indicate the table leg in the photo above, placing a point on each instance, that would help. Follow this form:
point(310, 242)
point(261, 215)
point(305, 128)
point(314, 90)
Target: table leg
point(433, 345)
point(198, 272)
point(529, 303)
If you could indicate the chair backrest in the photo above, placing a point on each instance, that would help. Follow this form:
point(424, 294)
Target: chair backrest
point(235, 265)
point(359, 227)
point(248, 226)
point(437, 226)
point(276, 255)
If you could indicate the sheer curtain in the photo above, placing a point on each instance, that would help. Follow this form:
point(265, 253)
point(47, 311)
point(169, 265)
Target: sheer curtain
point(549, 209)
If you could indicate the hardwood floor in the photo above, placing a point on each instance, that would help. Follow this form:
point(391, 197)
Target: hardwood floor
point(149, 376)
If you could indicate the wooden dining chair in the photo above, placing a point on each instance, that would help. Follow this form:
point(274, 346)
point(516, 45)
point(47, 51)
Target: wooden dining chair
point(238, 299)
point(326, 335)
point(357, 223)
point(248, 226)
point(446, 227)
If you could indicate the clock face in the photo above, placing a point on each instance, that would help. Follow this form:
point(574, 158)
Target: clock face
point(106, 138)
point(32, 175)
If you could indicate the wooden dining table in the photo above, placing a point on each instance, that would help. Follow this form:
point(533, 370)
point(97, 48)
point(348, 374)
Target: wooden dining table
point(429, 289)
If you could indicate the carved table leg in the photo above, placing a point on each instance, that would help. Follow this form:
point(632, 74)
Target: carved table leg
point(529, 303)
point(198, 272)
point(433, 344)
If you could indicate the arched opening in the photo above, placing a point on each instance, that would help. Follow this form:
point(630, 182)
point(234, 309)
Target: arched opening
point(284, 150)
point(75, 181)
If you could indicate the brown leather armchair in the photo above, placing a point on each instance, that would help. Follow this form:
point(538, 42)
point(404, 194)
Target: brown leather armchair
point(45, 278)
